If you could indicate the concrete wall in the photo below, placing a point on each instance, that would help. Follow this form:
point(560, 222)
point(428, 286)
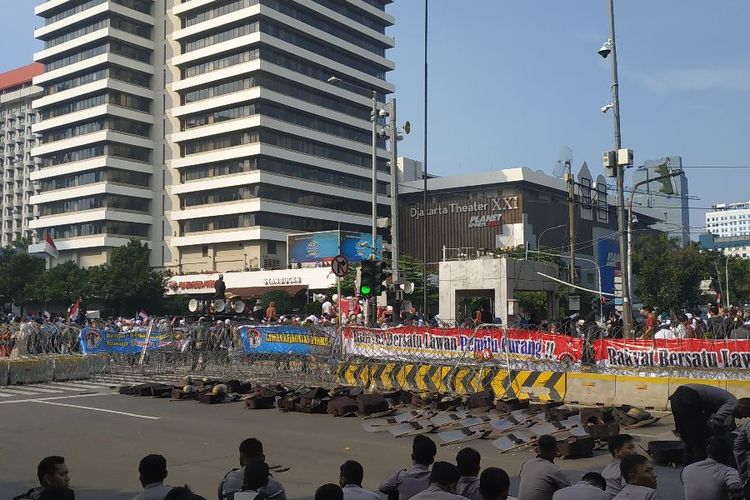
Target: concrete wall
point(503, 276)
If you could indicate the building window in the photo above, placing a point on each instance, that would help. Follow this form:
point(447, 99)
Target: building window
point(205, 250)
point(271, 247)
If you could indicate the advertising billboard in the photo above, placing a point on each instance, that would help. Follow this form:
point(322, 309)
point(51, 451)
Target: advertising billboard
point(322, 247)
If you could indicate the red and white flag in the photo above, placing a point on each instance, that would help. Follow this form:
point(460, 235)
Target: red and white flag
point(143, 315)
point(49, 246)
point(74, 310)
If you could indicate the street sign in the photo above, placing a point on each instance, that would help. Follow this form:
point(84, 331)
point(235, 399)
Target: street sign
point(340, 266)
point(574, 302)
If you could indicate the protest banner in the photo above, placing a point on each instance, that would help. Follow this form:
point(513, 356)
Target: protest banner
point(673, 353)
point(107, 339)
point(431, 344)
point(284, 339)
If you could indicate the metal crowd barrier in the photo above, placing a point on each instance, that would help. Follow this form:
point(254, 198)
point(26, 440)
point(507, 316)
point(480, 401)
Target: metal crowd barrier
point(460, 359)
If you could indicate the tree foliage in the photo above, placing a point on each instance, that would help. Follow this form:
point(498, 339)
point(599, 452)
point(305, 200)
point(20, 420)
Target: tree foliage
point(123, 286)
point(18, 273)
point(668, 276)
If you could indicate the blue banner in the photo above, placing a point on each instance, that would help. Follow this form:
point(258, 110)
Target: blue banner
point(357, 247)
point(94, 340)
point(284, 339)
point(322, 247)
point(608, 257)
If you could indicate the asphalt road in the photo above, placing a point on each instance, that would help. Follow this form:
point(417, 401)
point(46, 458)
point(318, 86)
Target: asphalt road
point(103, 436)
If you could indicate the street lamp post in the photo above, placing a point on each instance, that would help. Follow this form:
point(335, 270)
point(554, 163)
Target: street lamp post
point(539, 240)
point(598, 275)
point(626, 278)
point(610, 48)
point(334, 80)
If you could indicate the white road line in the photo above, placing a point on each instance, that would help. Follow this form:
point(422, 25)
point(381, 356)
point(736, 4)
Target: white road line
point(83, 385)
point(38, 389)
point(61, 387)
point(3, 395)
point(103, 410)
point(17, 392)
point(33, 400)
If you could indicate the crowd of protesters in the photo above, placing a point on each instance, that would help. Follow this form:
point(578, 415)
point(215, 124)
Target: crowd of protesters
point(716, 323)
point(628, 476)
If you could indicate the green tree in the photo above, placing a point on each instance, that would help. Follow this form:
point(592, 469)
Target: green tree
point(284, 303)
point(129, 283)
point(667, 276)
point(716, 267)
point(62, 283)
point(18, 273)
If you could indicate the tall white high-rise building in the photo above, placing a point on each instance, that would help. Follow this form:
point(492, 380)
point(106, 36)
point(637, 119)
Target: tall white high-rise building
point(16, 140)
point(207, 128)
point(728, 229)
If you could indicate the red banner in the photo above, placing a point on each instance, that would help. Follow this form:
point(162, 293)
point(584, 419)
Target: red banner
point(407, 343)
point(678, 353)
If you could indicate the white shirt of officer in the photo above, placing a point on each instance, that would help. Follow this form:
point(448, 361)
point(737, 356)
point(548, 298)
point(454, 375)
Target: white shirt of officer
point(356, 492)
point(435, 492)
point(540, 479)
point(235, 478)
point(613, 476)
point(468, 486)
point(582, 490)
point(408, 482)
point(635, 492)
point(153, 491)
point(709, 480)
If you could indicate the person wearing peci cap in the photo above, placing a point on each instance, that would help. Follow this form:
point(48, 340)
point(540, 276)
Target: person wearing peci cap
point(220, 288)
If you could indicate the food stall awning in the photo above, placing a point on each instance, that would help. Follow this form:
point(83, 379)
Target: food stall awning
point(256, 292)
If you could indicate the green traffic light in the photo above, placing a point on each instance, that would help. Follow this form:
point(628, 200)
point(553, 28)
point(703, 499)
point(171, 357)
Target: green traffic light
point(364, 290)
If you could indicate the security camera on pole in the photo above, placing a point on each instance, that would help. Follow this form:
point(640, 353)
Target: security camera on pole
point(395, 134)
point(615, 163)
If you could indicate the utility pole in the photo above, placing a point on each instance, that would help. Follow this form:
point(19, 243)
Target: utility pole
point(627, 310)
point(393, 133)
point(571, 221)
point(374, 120)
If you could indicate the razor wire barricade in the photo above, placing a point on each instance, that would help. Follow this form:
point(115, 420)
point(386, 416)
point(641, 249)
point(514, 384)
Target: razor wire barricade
point(292, 354)
point(429, 359)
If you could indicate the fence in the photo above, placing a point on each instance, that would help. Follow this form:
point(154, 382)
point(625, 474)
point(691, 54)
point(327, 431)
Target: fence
point(455, 360)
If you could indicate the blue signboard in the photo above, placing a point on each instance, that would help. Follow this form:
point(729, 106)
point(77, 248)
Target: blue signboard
point(284, 339)
point(358, 246)
point(608, 257)
point(322, 247)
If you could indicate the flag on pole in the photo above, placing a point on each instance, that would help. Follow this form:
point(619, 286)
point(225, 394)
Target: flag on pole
point(74, 310)
point(49, 246)
point(143, 315)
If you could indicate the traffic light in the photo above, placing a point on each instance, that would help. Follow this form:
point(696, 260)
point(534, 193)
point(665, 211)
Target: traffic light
point(367, 278)
point(667, 187)
point(372, 275)
point(378, 276)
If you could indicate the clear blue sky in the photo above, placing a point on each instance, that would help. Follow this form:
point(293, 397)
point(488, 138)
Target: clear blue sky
point(512, 81)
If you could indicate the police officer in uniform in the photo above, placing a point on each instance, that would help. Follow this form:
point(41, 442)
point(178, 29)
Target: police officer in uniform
point(701, 411)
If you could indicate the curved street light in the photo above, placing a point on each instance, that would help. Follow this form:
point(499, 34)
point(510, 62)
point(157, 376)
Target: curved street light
point(539, 239)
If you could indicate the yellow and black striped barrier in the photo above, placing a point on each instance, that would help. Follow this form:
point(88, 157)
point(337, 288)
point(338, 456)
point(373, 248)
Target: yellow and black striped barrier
point(461, 380)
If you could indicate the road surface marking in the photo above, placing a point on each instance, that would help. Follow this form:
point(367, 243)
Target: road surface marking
point(18, 392)
point(32, 400)
point(135, 415)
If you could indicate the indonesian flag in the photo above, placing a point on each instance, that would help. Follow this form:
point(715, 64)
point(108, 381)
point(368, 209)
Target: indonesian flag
point(74, 310)
point(142, 314)
point(49, 246)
